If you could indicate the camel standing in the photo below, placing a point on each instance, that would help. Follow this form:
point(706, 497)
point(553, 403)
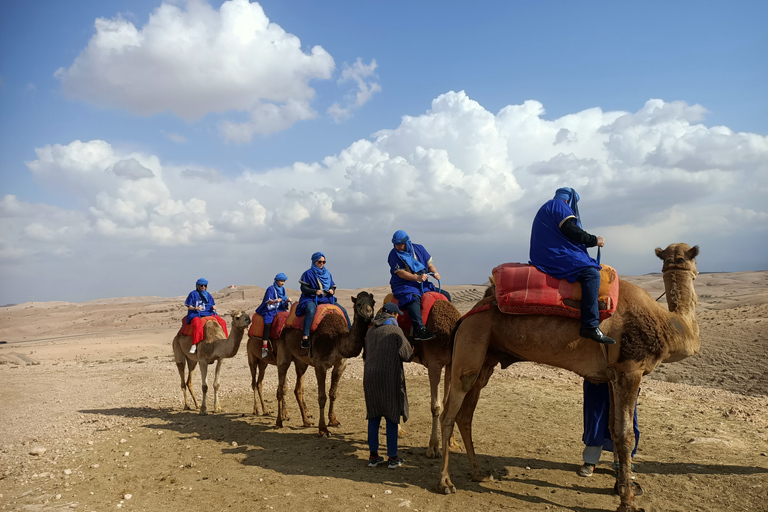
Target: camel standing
point(332, 344)
point(214, 347)
point(259, 364)
point(647, 335)
point(436, 355)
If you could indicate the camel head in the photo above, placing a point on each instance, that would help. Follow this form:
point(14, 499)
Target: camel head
point(679, 257)
point(363, 304)
point(240, 319)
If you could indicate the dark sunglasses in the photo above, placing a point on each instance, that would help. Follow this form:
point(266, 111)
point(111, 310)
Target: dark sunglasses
point(320, 261)
point(203, 285)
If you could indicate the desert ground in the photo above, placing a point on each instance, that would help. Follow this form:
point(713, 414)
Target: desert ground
point(91, 419)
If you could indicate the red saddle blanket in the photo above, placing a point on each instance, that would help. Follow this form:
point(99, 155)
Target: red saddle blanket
point(427, 301)
point(257, 325)
point(297, 322)
point(525, 290)
point(197, 327)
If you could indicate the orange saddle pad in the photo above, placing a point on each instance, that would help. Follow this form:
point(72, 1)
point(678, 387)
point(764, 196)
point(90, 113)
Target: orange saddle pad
point(525, 290)
point(196, 328)
point(278, 323)
point(427, 301)
point(297, 322)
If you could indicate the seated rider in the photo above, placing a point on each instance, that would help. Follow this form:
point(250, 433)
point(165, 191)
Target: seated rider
point(274, 301)
point(409, 264)
point(199, 303)
point(317, 287)
point(559, 248)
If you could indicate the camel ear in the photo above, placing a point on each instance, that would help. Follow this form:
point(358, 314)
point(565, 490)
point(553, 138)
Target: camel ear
point(660, 253)
point(354, 299)
point(692, 252)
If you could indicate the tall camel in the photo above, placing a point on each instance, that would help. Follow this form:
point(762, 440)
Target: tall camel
point(332, 344)
point(647, 335)
point(259, 364)
point(214, 347)
point(435, 355)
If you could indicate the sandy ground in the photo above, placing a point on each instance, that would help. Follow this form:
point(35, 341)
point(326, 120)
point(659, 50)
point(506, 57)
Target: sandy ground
point(91, 420)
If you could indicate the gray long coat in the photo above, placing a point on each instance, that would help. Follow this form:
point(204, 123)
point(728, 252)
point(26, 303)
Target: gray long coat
point(386, 347)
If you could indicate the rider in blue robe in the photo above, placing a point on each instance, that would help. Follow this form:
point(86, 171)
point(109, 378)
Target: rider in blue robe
point(408, 265)
point(316, 279)
point(200, 298)
point(559, 248)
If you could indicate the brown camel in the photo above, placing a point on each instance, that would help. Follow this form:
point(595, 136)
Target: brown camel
point(647, 335)
point(435, 355)
point(214, 347)
point(331, 344)
point(257, 363)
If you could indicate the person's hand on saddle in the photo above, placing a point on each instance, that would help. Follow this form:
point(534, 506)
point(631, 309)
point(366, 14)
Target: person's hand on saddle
point(331, 291)
point(600, 241)
point(437, 275)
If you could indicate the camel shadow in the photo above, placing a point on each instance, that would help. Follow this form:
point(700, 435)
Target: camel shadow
point(290, 450)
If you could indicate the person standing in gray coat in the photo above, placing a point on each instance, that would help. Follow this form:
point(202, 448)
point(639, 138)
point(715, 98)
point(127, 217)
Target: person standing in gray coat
point(386, 347)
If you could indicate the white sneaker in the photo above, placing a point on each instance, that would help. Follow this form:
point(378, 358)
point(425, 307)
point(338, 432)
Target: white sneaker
point(193, 349)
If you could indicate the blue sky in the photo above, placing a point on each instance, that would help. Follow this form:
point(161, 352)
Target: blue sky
point(198, 155)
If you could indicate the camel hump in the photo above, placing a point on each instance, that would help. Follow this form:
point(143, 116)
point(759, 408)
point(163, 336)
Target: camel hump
point(212, 331)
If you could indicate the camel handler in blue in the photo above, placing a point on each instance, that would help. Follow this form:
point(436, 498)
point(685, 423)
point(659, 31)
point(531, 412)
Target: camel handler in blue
point(274, 301)
point(199, 303)
point(317, 287)
point(386, 348)
point(409, 265)
point(559, 248)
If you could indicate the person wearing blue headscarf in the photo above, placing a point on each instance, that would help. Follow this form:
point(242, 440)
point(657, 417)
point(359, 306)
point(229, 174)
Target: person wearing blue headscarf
point(317, 287)
point(409, 265)
point(559, 248)
point(274, 301)
point(199, 303)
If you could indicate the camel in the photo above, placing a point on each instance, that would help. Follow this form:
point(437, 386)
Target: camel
point(647, 335)
point(213, 347)
point(436, 355)
point(332, 343)
point(257, 363)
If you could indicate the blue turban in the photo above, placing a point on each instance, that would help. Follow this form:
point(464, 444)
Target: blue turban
point(317, 256)
point(400, 237)
point(202, 281)
point(281, 277)
point(571, 197)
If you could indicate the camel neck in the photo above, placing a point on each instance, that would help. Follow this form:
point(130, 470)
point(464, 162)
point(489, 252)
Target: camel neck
point(235, 338)
point(681, 297)
point(353, 343)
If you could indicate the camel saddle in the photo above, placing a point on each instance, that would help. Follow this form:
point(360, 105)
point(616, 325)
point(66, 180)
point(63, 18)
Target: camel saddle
point(257, 325)
point(197, 328)
point(523, 289)
point(297, 322)
point(427, 301)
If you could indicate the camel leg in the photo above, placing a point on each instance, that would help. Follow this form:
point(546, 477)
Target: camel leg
point(204, 378)
point(191, 365)
point(262, 373)
point(181, 363)
point(282, 370)
point(452, 444)
point(338, 371)
point(434, 370)
point(467, 412)
point(468, 361)
point(625, 388)
point(298, 392)
point(253, 363)
point(216, 406)
point(321, 373)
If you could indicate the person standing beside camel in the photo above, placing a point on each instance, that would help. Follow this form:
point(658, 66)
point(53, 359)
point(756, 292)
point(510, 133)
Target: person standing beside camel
point(274, 301)
point(386, 348)
point(559, 248)
point(317, 287)
point(199, 303)
point(597, 434)
point(409, 265)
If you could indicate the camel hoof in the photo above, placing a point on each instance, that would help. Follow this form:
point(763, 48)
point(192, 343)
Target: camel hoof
point(334, 423)
point(434, 453)
point(455, 447)
point(187, 407)
point(309, 424)
point(448, 488)
point(203, 412)
point(637, 490)
point(323, 433)
point(480, 478)
point(266, 413)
